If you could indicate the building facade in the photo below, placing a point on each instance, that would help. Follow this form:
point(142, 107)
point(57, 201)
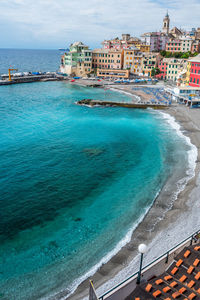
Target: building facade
point(173, 45)
point(156, 40)
point(195, 71)
point(195, 46)
point(162, 65)
point(174, 67)
point(77, 61)
point(186, 44)
point(107, 59)
point(149, 62)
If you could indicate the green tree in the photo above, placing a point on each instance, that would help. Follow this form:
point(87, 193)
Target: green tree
point(155, 71)
point(185, 55)
point(163, 53)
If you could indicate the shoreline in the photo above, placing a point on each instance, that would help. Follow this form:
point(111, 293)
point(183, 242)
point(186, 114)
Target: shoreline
point(118, 267)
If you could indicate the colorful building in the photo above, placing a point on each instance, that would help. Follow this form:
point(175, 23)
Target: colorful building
point(197, 34)
point(162, 65)
point(125, 43)
point(195, 46)
point(129, 56)
point(107, 59)
point(133, 61)
point(188, 69)
point(175, 66)
point(155, 40)
point(143, 47)
point(195, 71)
point(186, 44)
point(77, 61)
point(173, 45)
point(149, 62)
point(116, 44)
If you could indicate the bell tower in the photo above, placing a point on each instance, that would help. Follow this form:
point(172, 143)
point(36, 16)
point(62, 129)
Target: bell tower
point(166, 22)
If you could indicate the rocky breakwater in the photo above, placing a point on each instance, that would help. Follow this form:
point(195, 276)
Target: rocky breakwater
point(91, 103)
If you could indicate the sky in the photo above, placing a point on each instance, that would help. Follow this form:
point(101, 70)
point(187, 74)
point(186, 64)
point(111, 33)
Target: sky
point(53, 24)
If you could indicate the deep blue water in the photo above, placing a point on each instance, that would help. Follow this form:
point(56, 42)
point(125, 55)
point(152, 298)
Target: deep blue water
point(29, 60)
point(73, 181)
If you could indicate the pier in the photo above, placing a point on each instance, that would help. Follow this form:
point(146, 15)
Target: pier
point(91, 102)
point(32, 78)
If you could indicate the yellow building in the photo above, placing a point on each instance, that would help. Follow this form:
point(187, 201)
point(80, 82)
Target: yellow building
point(133, 60)
point(128, 57)
point(144, 47)
point(175, 67)
point(189, 64)
point(149, 62)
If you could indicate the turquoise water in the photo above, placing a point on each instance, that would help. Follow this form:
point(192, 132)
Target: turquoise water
point(73, 181)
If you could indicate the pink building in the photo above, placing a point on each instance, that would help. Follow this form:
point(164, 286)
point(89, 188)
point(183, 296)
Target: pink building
point(174, 46)
point(195, 71)
point(162, 65)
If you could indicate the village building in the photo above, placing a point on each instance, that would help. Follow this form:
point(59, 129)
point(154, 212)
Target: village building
point(77, 61)
point(162, 66)
point(194, 68)
point(149, 62)
point(174, 45)
point(175, 66)
point(186, 43)
point(107, 59)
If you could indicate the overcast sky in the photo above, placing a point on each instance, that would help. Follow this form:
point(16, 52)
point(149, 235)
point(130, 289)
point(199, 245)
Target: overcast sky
point(57, 23)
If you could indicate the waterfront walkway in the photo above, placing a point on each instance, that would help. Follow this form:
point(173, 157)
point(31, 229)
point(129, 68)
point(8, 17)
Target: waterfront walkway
point(180, 281)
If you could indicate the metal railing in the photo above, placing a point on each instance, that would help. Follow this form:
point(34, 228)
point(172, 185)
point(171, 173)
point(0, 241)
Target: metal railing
point(191, 238)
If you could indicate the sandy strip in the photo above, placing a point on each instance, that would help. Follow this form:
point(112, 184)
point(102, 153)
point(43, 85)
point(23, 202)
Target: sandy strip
point(179, 222)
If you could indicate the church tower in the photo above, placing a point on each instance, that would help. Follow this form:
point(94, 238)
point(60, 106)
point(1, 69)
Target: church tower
point(166, 22)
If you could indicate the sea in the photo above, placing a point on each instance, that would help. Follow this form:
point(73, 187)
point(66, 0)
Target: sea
point(75, 181)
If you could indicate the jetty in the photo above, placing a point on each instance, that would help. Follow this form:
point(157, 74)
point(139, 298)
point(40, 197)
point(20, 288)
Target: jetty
point(144, 105)
point(50, 76)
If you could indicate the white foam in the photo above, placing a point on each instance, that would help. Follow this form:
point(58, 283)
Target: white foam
point(126, 93)
point(129, 270)
point(192, 157)
point(192, 153)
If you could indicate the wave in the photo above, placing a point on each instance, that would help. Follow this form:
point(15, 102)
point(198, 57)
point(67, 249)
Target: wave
point(192, 152)
point(192, 157)
point(138, 98)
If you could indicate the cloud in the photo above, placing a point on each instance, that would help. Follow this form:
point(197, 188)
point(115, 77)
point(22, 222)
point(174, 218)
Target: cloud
point(50, 23)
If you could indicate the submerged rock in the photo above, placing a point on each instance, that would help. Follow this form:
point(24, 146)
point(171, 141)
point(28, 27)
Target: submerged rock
point(77, 219)
point(93, 151)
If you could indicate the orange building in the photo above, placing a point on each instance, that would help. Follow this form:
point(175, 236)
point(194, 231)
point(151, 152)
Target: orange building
point(107, 59)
